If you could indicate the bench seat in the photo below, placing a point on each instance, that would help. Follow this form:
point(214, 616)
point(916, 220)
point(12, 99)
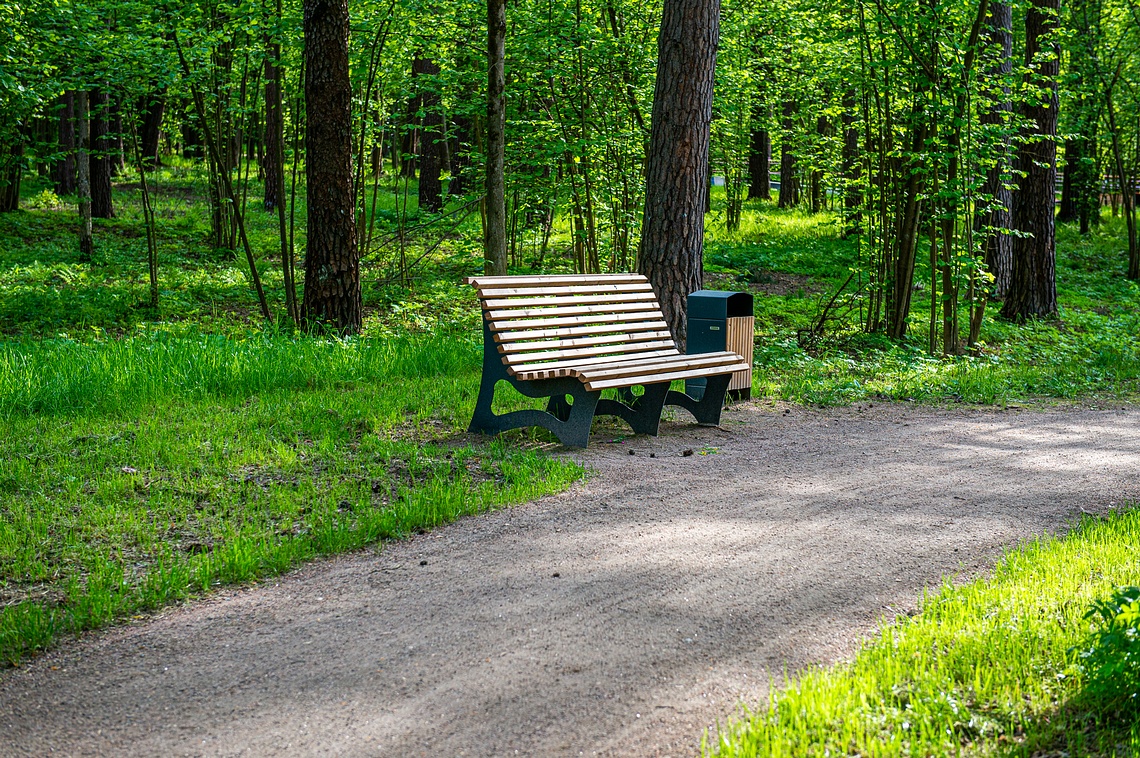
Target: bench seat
point(569, 337)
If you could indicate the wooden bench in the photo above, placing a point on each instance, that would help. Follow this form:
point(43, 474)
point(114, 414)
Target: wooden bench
point(569, 337)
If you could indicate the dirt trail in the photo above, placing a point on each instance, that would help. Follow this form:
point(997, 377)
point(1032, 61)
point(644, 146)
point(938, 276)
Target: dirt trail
point(622, 618)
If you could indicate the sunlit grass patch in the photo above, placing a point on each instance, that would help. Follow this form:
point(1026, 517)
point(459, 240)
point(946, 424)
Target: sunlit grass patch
point(141, 471)
point(989, 668)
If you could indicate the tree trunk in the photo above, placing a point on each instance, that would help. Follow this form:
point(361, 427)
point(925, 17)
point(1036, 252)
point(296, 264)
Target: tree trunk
point(11, 171)
point(332, 268)
point(495, 203)
point(852, 168)
point(760, 164)
point(1067, 208)
point(789, 185)
point(995, 221)
point(432, 146)
point(102, 150)
point(1033, 286)
point(274, 130)
point(672, 238)
point(459, 148)
point(63, 172)
point(83, 171)
point(153, 112)
point(115, 124)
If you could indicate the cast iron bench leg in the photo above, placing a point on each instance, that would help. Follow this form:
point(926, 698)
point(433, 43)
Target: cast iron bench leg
point(643, 413)
point(569, 423)
point(707, 409)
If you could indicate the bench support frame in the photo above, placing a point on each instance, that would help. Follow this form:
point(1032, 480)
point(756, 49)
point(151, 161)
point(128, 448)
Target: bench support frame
point(570, 421)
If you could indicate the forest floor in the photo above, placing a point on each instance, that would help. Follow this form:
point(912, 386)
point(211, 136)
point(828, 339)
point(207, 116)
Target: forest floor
point(628, 616)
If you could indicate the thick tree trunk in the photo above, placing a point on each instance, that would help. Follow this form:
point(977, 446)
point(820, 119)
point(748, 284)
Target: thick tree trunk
point(432, 146)
point(494, 186)
point(63, 172)
point(83, 172)
point(995, 221)
point(672, 238)
point(1033, 286)
point(760, 165)
point(332, 268)
point(789, 184)
point(154, 108)
point(102, 150)
point(274, 130)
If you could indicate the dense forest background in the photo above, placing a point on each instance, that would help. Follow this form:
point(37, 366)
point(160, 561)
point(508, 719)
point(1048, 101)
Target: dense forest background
point(932, 133)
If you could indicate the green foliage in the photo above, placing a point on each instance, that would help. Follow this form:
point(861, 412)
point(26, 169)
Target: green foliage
point(983, 668)
point(1112, 663)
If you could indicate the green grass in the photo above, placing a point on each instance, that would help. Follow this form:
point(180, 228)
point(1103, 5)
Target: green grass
point(993, 667)
point(142, 471)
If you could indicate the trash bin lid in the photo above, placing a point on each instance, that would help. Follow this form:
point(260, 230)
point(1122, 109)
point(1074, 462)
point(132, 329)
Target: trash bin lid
point(719, 304)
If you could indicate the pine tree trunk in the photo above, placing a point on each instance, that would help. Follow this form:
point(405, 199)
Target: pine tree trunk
point(63, 172)
point(274, 129)
point(789, 185)
point(153, 111)
point(83, 175)
point(101, 150)
point(998, 245)
point(760, 164)
point(494, 187)
point(432, 146)
point(332, 268)
point(1033, 286)
point(672, 239)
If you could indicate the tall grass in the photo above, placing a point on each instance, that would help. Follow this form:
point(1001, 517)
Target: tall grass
point(60, 377)
point(989, 668)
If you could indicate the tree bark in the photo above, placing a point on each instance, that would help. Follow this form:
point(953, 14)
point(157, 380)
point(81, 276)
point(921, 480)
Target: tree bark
point(101, 150)
point(11, 172)
point(995, 221)
point(1067, 208)
point(495, 203)
point(672, 239)
point(760, 164)
point(1033, 285)
point(63, 172)
point(332, 267)
point(852, 168)
point(432, 146)
point(274, 130)
point(83, 171)
point(153, 111)
point(789, 184)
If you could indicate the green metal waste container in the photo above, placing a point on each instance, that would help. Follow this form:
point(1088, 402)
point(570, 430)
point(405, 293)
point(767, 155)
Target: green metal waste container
point(721, 321)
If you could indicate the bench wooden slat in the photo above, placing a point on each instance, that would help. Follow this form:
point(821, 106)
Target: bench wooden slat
point(617, 320)
point(570, 310)
point(558, 369)
point(617, 340)
point(538, 281)
point(641, 299)
point(570, 332)
point(583, 352)
point(664, 365)
point(592, 289)
point(664, 360)
point(650, 378)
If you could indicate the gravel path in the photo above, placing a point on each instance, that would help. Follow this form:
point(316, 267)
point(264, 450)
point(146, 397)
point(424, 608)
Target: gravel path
point(625, 617)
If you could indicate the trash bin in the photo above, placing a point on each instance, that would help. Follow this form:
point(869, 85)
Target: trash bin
point(721, 321)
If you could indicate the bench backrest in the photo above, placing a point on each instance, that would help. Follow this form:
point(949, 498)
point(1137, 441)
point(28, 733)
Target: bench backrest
point(537, 319)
